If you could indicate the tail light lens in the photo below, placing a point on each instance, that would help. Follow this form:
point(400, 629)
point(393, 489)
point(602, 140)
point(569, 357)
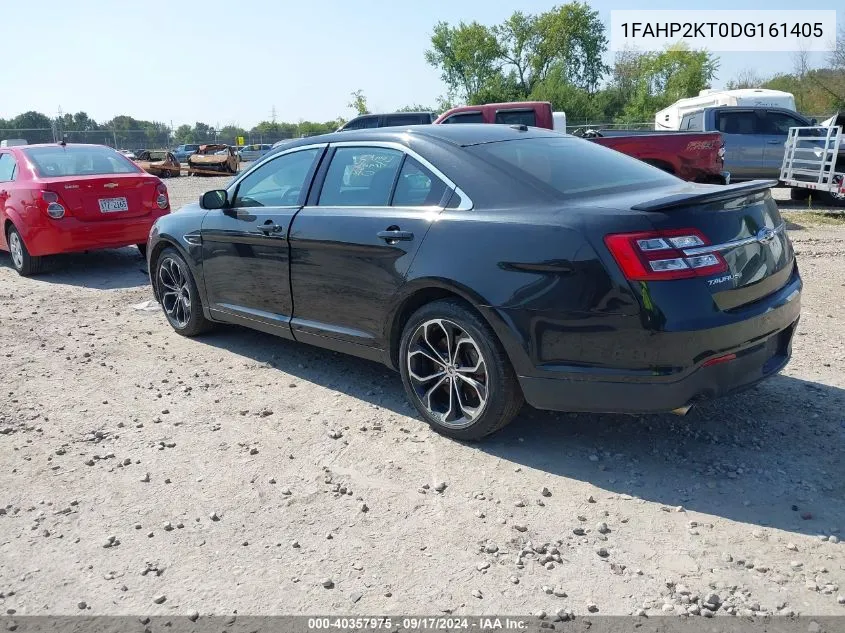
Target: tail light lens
point(161, 196)
point(52, 205)
point(659, 255)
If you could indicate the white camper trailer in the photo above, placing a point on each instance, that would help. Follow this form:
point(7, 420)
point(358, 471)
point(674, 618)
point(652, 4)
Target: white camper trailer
point(670, 118)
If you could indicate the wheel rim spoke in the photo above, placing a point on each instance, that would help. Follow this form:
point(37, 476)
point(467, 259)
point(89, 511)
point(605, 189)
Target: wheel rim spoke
point(175, 296)
point(447, 372)
point(16, 250)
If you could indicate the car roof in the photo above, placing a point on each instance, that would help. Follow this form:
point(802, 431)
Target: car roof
point(35, 145)
point(461, 135)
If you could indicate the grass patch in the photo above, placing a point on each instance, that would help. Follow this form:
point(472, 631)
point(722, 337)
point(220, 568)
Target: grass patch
point(800, 219)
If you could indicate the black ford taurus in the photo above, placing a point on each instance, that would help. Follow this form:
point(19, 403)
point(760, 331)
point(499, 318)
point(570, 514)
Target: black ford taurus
point(492, 265)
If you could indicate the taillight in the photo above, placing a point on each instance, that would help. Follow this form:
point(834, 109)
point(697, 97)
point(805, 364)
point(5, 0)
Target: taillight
point(161, 196)
point(658, 255)
point(52, 205)
point(721, 153)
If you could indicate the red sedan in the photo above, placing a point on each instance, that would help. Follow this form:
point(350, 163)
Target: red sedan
point(64, 198)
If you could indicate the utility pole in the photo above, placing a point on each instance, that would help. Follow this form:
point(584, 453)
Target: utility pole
point(273, 114)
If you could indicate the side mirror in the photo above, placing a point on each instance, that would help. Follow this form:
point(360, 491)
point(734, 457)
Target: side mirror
point(813, 121)
point(216, 199)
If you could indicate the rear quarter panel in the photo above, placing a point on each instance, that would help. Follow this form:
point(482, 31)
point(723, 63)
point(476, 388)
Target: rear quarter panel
point(532, 275)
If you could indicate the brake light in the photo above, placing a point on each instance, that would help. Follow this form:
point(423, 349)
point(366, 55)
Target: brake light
point(51, 204)
point(659, 255)
point(161, 196)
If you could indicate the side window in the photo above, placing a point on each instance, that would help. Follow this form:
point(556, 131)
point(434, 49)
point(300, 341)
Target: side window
point(7, 167)
point(362, 123)
point(517, 117)
point(696, 121)
point(417, 186)
point(277, 183)
point(465, 117)
point(405, 119)
point(360, 177)
point(737, 122)
point(778, 123)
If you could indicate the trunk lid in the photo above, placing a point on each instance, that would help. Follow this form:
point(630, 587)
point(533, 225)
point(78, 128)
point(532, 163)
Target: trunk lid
point(101, 197)
point(742, 224)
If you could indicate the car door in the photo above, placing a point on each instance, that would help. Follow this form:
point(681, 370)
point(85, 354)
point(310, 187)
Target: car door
point(352, 245)
point(7, 176)
point(776, 126)
point(742, 133)
point(245, 248)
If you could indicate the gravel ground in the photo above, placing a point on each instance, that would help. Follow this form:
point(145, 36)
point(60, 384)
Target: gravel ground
point(143, 472)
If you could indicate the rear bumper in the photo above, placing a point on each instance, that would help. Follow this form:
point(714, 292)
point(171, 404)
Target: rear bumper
point(70, 235)
point(766, 350)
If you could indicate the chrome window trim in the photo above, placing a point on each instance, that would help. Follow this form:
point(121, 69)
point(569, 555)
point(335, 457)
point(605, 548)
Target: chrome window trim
point(726, 246)
point(465, 204)
point(233, 186)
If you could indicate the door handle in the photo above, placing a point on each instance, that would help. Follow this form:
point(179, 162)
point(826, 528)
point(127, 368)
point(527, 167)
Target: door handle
point(268, 229)
point(776, 142)
point(394, 235)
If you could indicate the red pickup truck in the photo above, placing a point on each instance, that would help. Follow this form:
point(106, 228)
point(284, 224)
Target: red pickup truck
point(694, 156)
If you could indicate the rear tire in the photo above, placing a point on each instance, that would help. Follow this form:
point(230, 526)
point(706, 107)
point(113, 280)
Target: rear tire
point(833, 199)
point(798, 193)
point(456, 372)
point(25, 264)
point(178, 294)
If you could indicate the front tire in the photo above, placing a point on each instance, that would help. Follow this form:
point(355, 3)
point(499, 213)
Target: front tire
point(24, 263)
point(456, 372)
point(178, 294)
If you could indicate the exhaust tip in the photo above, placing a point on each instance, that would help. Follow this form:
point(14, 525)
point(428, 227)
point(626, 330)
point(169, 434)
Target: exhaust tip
point(682, 410)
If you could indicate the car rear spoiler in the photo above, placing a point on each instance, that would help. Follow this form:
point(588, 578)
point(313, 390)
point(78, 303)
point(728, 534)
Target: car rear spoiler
point(728, 192)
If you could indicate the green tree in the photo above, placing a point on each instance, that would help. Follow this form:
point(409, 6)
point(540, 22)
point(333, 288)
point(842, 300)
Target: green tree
point(660, 79)
point(229, 134)
point(415, 108)
point(747, 78)
point(468, 56)
point(183, 134)
point(358, 103)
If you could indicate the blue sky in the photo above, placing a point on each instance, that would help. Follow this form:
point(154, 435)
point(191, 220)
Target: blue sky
point(222, 62)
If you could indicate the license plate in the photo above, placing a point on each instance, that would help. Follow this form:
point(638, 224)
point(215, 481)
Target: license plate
point(111, 205)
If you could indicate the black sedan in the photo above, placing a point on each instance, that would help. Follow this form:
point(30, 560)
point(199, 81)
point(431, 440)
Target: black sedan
point(492, 265)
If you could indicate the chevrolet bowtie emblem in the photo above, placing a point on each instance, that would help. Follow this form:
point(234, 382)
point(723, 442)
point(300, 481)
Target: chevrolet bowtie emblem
point(110, 185)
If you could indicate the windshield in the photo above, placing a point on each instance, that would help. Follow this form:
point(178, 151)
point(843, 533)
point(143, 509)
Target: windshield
point(79, 160)
point(570, 166)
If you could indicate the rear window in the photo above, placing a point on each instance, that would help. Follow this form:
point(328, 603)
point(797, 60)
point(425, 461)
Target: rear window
point(465, 117)
point(53, 161)
point(406, 119)
point(571, 166)
point(517, 117)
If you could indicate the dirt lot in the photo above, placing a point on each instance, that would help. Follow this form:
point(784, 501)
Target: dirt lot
point(147, 473)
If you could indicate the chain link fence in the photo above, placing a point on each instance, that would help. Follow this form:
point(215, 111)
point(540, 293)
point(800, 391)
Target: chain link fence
point(161, 138)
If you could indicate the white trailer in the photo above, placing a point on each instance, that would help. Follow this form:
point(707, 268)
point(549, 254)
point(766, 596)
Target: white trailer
point(814, 160)
point(670, 118)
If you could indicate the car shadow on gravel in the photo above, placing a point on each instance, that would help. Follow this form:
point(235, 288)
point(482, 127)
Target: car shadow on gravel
point(771, 456)
point(366, 380)
point(101, 269)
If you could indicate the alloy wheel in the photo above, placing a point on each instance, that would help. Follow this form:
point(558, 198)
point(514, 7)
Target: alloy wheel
point(448, 373)
point(16, 249)
point(175, 291)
